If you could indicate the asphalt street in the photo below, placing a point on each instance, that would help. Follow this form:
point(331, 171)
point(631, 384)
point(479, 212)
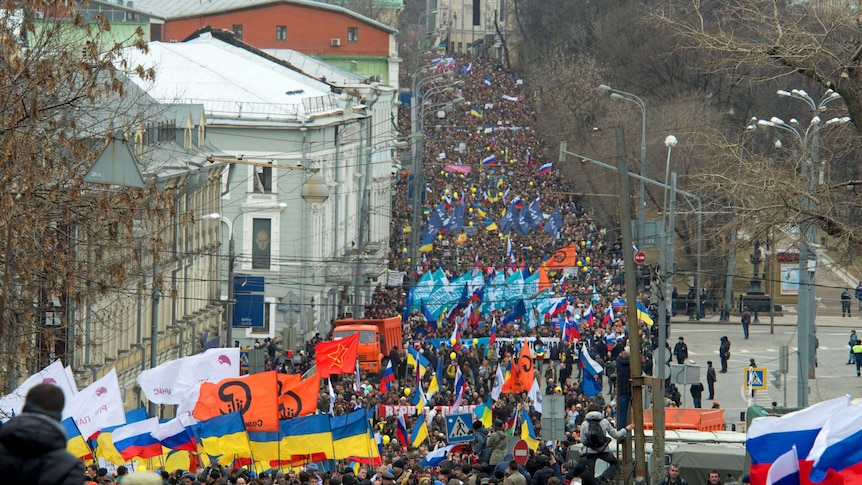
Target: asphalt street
point(833, 377)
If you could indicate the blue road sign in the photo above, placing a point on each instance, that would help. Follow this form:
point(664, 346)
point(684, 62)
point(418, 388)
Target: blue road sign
point(459, 428)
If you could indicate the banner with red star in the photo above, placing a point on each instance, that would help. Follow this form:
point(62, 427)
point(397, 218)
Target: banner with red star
point(337, 357)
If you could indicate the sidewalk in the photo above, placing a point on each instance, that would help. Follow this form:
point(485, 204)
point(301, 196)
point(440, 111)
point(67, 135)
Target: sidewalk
point(787, 319)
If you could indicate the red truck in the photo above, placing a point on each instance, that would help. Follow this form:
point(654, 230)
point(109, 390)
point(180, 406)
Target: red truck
point(376, 338)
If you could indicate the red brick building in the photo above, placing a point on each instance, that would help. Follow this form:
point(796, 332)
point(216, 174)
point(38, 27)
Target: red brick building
point(328, 32)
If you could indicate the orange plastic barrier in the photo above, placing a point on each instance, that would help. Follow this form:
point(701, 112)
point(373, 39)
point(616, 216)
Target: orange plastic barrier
point(688, 418)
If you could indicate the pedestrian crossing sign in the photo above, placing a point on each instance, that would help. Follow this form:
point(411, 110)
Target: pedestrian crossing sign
point(754, 379)
point(459, 428)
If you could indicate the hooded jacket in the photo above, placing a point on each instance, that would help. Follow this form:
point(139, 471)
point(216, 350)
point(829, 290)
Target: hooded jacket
point(607, 429)
point(33, 450)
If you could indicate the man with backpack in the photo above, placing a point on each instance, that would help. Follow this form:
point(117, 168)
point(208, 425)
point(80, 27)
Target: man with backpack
point(594, 436)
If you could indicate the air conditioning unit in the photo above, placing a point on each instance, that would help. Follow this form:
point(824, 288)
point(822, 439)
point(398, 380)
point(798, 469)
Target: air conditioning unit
point(335, 42)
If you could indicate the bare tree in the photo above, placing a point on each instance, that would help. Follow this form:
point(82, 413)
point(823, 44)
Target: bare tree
point(58, 92)
point(818, 40)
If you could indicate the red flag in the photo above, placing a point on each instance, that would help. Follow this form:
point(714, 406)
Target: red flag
point(337, 357)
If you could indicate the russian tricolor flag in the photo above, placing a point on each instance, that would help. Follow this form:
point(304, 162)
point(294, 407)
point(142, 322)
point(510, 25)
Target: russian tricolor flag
point(546, 168)
point(588, 315)
point(590, 384)
point(136, 440)
point(487, 82)
point(490, 160)
point(836, 454)
point(785, 470)
point(460, 385)
point(401, 432)
point(571, 332)
point(493, 337)
point(769, 437)
point(609, 316)
point(174, 435)
point(387, 379)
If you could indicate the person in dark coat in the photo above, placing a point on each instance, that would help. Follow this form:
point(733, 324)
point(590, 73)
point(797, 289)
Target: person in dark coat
point(710, 379)
point(696, 393)
point(544, 472)
point(680, 350)
point(624, 388)
point(33, 444)
point(724, 353)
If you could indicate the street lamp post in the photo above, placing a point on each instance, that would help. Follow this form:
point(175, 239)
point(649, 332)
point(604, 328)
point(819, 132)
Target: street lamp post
point(665, 265)
point(814, 173)
point(624, 96)
point(417, 137)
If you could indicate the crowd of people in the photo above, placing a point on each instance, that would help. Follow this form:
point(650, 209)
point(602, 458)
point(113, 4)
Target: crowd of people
point(496, 119)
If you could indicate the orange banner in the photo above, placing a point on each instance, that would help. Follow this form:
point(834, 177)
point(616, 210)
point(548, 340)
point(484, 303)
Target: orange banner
point(254, 396)
point(523, 373)
point(297, 396)
point(563, 258)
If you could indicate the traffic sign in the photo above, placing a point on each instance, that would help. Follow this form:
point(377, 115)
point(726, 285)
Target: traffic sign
point(459, 428)
point(521, 452)
point(754, 379)
point(640, 257)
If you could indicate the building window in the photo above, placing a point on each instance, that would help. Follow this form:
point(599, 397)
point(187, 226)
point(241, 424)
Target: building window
point(237, 31)
point(353, 34)
point(281, 33)
point(262, 180)
point(261, 249)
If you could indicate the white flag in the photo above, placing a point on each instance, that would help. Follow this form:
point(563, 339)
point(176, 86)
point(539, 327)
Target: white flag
point(536, 395)
point(498, 383)
point(173, 381)
point(13, 403)
point(331, 398)
point(98, 406)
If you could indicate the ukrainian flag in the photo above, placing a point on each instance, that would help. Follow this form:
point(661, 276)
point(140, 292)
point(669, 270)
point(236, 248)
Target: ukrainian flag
point(480, 209)
point(528, 433)
point(264, 445)
point(176, 459)
point(420, 432)
point(350, 435)
point(643, 314)
point(414, 357)
point(306, 435)
point(225, 436)
point(105, 448)
point(75, 443)
point(483, 413)
point(476, 112)
point(490, 225)
point(427, 245)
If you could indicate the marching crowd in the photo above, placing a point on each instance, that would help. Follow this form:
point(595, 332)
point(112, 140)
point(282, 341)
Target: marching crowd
point(498, 120)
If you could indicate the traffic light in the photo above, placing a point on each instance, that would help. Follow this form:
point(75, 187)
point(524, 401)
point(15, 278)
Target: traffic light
point(776, 379)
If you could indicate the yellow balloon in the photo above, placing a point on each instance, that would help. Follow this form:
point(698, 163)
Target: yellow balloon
point(470, 210)
point(471, 223)
point(499, 194)
point(386, 440)
point(455, 195)
point(453, 355)
point(588, 259)
point(475, 341)
point(453, 341)
point(447, 191)
point(586, 269)
point(442, 197)
point(406, 391)
point(580, 264)
point(442, 172)
point(583, 243)
point(531, 183)
point(408, 260)
point(473, 189)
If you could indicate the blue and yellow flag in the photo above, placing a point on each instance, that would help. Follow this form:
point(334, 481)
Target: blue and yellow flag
point(306, 435)
point(484, 414)
point(528, 433)
point(414, 358)
point(350, 435)
point(75, 443)
point(476, 112)
point(420, 431)
point(427, 245)
point(225, 436)
point(643, 314)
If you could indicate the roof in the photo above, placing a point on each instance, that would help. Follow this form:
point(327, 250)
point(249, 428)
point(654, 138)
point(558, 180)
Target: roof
point(178, 9)
point(316, 68)
point(230, 81)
